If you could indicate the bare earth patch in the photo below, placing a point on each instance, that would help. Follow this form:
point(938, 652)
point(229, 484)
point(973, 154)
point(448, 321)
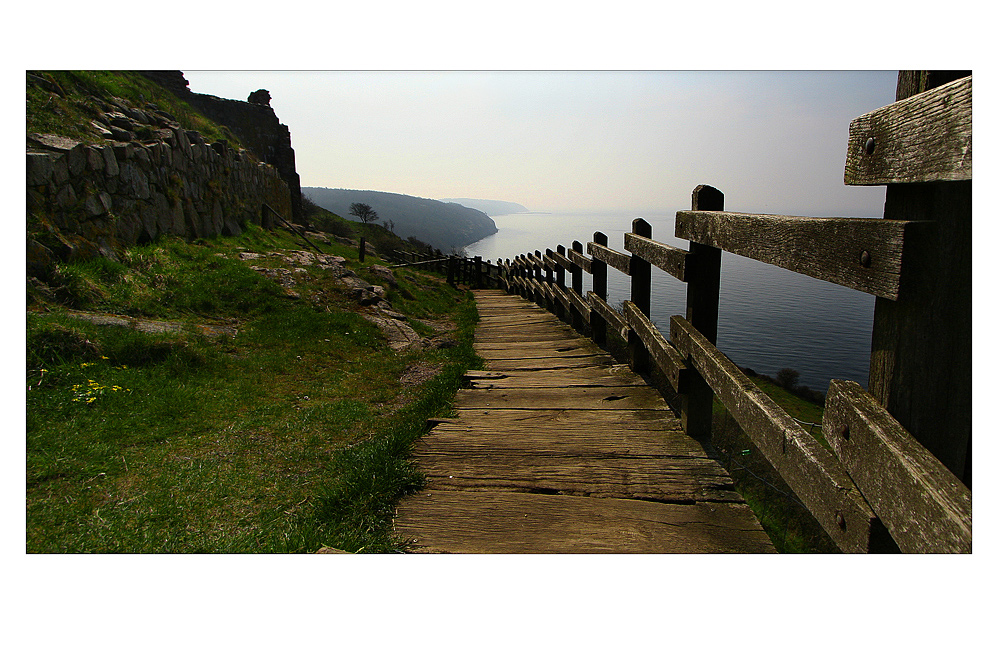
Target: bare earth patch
point(153, 326)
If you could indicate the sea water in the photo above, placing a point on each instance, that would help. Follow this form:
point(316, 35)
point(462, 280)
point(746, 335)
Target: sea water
point(769, 318)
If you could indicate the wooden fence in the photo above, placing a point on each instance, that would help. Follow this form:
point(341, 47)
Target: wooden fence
point(878, 481)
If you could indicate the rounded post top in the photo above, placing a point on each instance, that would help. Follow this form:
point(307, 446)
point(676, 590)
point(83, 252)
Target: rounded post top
point(642, 228)
point(601, 238)
point(707, 198)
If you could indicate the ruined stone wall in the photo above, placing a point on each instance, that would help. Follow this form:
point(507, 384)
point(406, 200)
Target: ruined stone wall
point(94, 199)
point(258, 129)
point(255, 123)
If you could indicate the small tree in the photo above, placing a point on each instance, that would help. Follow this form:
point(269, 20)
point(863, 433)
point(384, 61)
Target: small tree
point(364, 211)
point(788, 378)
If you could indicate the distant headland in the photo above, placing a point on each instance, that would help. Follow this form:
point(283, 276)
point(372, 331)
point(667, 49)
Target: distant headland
point(489, 206)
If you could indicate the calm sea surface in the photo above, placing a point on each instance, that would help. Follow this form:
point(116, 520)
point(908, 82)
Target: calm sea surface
point(769, 318)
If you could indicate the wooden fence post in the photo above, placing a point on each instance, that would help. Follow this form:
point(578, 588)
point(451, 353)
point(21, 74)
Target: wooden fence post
point(577, 278)
point(451, 270)
point(921, 361)
point(479, 272)
point(640, 274)
point(560, 271)
point(599, 270)
point(703, 313)
point(552, 273)
point(540, 299)
point(361, 251)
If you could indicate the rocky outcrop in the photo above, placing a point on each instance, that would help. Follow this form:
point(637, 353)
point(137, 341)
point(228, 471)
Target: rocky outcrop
point(253, 121)
point(152, 178)
point(398, 332)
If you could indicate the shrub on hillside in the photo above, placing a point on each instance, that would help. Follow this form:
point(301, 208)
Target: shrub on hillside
point(788, 378)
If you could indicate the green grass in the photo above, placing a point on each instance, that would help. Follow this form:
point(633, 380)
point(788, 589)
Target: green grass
point(291, 436)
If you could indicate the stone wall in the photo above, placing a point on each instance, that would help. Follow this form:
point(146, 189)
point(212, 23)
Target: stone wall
point(253, 121)
point(94, 199)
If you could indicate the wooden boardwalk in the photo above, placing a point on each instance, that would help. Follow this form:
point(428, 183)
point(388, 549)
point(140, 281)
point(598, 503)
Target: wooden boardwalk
point(558, 449)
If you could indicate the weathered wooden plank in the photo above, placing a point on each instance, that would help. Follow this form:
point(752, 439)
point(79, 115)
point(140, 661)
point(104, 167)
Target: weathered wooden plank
point(579, 259)
point(865, 254)
point(554, 336)
point(612, 258)
point(578, 346)
point(662, 479)
point(537, 287)
point(561, 296)
point(923, 504)
point(499, 522)
point(593, 433)
point(568, 398)
point(609, 314)
point(581, 307)
point(664, 354)
point(500, 304)
point(923, 138)
point(661, 255)
point(563, 261)
point(609, 420)
point(539, 434)
point(533, 261)
point(523, 362)
point(498, 325)
point(554, 326)
point(812, 472)
point(636, 444)
point(536, 355)
point(528, 310)
point(615, 376)
point(532, 322)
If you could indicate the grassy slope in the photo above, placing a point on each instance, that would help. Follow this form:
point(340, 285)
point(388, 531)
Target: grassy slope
point(290, 436)
point(70, 111)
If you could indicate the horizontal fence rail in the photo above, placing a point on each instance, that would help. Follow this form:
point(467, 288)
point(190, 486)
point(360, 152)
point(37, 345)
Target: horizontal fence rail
point(923, 138)
point(862, 254)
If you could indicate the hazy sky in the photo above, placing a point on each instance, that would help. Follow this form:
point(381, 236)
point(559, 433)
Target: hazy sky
point(633, 141)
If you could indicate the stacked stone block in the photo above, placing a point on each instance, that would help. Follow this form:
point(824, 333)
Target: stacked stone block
point(91, 199)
